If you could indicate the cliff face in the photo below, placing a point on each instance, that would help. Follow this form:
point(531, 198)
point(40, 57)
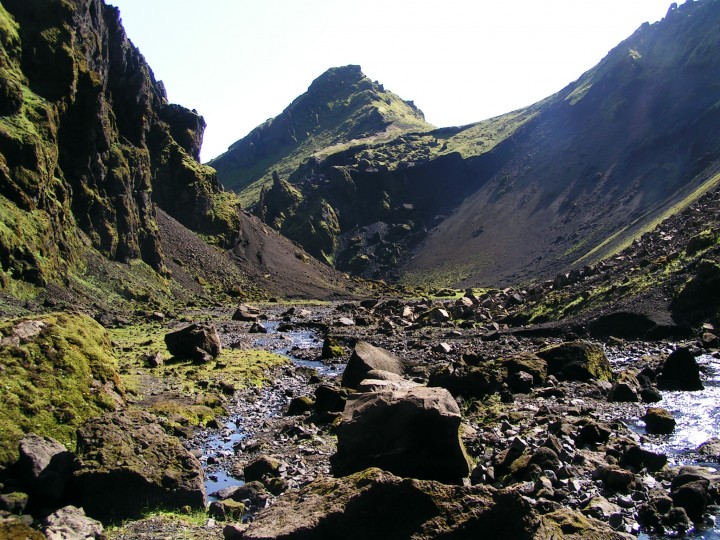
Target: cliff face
point(88, 142)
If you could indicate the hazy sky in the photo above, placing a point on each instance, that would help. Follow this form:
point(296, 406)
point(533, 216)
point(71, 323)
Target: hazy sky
point(239, 62)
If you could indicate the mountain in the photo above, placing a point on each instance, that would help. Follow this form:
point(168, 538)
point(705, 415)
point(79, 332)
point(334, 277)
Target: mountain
point(342, 107)
point(98, 170)
point(524, 196)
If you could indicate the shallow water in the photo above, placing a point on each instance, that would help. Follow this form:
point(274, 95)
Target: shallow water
point(698, 419)
point(222, 442)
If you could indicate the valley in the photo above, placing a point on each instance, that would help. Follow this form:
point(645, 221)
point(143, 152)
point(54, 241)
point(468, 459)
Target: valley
point(506, 329)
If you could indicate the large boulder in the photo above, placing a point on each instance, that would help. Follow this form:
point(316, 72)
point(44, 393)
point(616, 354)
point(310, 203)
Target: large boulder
point(529, 363)
point(376, 504)
point(680, 372)
point(366, 357)
point(577, 361)
point(71, 523)
point(43, 468)
point(413, 432)
point(658, 421)
point(129, 465)
point(194, 342)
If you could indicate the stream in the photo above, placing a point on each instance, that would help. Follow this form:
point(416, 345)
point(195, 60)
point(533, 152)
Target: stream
point(222, 443)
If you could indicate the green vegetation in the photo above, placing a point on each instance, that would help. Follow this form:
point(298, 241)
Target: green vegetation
point(57, 371)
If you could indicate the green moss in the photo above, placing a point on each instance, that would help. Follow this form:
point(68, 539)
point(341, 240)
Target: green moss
point(53, 381)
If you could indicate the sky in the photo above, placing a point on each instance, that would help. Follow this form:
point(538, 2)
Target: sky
point(240, 62)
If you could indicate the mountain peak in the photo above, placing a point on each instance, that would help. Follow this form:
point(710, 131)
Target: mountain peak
point(340, 107)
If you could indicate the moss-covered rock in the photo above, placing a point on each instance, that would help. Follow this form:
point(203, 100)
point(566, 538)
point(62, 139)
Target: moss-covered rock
point(58, 372)
point(577, 361)
point(129, 465)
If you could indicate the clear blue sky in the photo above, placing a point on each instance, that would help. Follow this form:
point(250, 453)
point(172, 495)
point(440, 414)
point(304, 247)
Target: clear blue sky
point(239, 62)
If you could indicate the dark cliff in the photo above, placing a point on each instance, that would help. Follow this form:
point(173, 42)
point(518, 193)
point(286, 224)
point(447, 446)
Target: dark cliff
point(88, 142)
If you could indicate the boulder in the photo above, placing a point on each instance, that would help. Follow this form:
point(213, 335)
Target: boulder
point(246, 313)
point(129, 465)
point(528, 363)
point(193, 342)
point(300, 405)
point(257, 328)
point(412, 433)
point(521, 382)
point(568, 524)
point(468, 381)
point(71, 523)
point(658, 421)
point(639, 458)
point(710, 448)
point(366, 357)
point(329, 399)
point(626, 388)
point(680, 372)
point(264, 466)
point(226, 510)
point(15, 529)
point(577, 361)
point(332, 348)
point(689, 490)
point(44, 468)
point(376, 504)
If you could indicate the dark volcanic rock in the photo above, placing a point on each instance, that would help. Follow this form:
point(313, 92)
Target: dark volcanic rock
point(626, 388)
point(366, 357)
point(44, 468)
point(129, 465)
point(577, 361)
point(680, 372)
point(191, 341)
point(376, 504)
point(465, 380)
point(658, 420)
point(411, 433)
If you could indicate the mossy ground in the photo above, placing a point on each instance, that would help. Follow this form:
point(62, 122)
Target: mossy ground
point(50, 383)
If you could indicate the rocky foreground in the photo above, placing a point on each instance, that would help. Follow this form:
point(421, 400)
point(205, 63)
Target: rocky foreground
point(425, 429)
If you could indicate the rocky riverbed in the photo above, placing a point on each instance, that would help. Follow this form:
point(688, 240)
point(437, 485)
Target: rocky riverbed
point(591, 439)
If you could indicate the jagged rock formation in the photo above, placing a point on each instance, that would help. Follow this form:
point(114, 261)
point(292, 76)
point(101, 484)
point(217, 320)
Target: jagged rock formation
point(340, 106)
point(89, 141)
point(555, 186)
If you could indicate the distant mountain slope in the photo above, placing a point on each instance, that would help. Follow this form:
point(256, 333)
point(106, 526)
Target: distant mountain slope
point(340, 107)
point(531, 193)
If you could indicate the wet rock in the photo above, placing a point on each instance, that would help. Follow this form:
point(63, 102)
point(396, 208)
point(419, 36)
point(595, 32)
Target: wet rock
point(692, 497)
point(650, 394)
point(411, 433)
point(680, 372)
point(658, 421)
point(568, 524)
point(71, 523)
point(710, 448)
point(194, 342)
point(366, 357)
point(246, 313)
point(257, 328)
point(44, 468)
point(577, 361)
point(400, 508)
point(129, 465)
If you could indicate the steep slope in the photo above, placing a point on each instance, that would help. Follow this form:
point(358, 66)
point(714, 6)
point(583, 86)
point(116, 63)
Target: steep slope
point(534, 192)
point(91, 153)
point(340, 107)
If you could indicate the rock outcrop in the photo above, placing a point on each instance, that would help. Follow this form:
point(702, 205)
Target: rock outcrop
point(128, 465)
